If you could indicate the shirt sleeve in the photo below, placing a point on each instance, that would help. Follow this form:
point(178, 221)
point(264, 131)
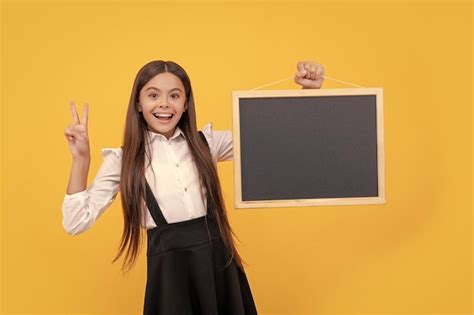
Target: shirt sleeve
point(80, 210)
point(220, 143)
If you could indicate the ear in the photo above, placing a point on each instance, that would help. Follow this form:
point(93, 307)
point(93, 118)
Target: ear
point(185, 106)
point(139, 107)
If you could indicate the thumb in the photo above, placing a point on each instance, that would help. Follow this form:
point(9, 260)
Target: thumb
point(301, 73)
point(299, 78)
point(74, 134)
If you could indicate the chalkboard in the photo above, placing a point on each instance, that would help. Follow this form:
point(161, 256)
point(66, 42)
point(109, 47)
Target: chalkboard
point(308, 147)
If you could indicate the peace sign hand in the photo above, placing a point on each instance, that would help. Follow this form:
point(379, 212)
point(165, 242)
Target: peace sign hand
point(76, 133)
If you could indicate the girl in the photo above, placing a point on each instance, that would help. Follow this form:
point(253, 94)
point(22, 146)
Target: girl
point(166, 173)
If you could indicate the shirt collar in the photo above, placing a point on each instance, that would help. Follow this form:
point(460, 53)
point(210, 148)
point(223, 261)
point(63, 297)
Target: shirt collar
point(177, 132)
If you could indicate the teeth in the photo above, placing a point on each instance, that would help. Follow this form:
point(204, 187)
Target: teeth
point(164, 115)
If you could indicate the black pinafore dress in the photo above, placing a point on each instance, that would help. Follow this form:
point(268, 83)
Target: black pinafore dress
point(185, 268)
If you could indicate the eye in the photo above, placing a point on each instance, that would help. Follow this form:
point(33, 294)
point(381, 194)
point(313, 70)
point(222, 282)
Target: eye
point(175, 95)
point(153, 95)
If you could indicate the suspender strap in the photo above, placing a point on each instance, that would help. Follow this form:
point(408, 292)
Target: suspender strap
point(153, 206)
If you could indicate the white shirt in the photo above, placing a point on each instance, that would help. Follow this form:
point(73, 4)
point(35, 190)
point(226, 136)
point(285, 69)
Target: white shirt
point(175, 181)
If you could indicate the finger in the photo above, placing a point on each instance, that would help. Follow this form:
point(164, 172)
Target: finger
point(75, 117)
point(300, 73)
point(319, 72)
point(307, 67)
point(79, 130)
point(313, 71)
point(302, 81)
point(85, 114)
point(77, 135)
point(69, 138)
point(74, 130)
point(68, 135)
point(300, 66)
point(297, 79)
point(68, 129)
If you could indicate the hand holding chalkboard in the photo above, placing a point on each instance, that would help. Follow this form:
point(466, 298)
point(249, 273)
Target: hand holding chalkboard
point(327, 150)
point(309, 74)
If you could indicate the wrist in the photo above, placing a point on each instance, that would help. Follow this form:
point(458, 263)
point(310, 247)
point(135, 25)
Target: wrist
point(81, 159)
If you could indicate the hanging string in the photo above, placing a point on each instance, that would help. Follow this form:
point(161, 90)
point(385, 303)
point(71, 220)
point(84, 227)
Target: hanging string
point(285, 79)
point(271, 83)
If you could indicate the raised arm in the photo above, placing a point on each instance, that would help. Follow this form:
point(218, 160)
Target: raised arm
point(224, 145)
point(83, 205)
point(220, 142)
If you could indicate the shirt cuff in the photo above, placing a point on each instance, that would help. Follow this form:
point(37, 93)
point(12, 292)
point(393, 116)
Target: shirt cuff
point(77, 195)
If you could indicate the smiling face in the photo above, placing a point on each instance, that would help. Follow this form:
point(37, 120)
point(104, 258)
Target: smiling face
point(163, 101)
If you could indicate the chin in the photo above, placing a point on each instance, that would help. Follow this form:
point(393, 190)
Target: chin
point(163, 131)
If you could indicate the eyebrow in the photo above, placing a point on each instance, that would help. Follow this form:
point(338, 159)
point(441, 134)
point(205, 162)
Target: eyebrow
point(152, 87)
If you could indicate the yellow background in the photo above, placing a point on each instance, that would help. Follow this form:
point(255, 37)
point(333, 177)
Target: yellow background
point(412, 255)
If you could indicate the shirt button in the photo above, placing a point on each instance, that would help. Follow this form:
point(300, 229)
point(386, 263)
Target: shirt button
point(177, 165)
point(185, 189)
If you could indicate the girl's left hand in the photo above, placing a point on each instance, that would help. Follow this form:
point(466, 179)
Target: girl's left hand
point(309, 74)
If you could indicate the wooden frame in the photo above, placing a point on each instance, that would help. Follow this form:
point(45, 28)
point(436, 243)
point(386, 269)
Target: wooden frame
point(239, 203)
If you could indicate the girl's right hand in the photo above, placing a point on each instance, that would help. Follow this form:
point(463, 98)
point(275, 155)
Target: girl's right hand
point(76, 133)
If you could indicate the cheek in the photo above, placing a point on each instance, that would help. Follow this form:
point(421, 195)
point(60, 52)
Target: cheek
point(181, 107)
point(179, 115)
point(144, 103)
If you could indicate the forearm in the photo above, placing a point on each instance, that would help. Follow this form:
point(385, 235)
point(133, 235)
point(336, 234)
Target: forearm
point(78, 176)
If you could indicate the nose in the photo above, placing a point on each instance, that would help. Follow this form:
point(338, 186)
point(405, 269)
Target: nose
point(164, 104)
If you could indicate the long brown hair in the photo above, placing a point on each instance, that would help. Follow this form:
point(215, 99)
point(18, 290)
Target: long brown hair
point(132, 179)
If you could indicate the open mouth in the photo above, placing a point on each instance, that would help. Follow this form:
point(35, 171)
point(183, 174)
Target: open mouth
point(163, 117)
